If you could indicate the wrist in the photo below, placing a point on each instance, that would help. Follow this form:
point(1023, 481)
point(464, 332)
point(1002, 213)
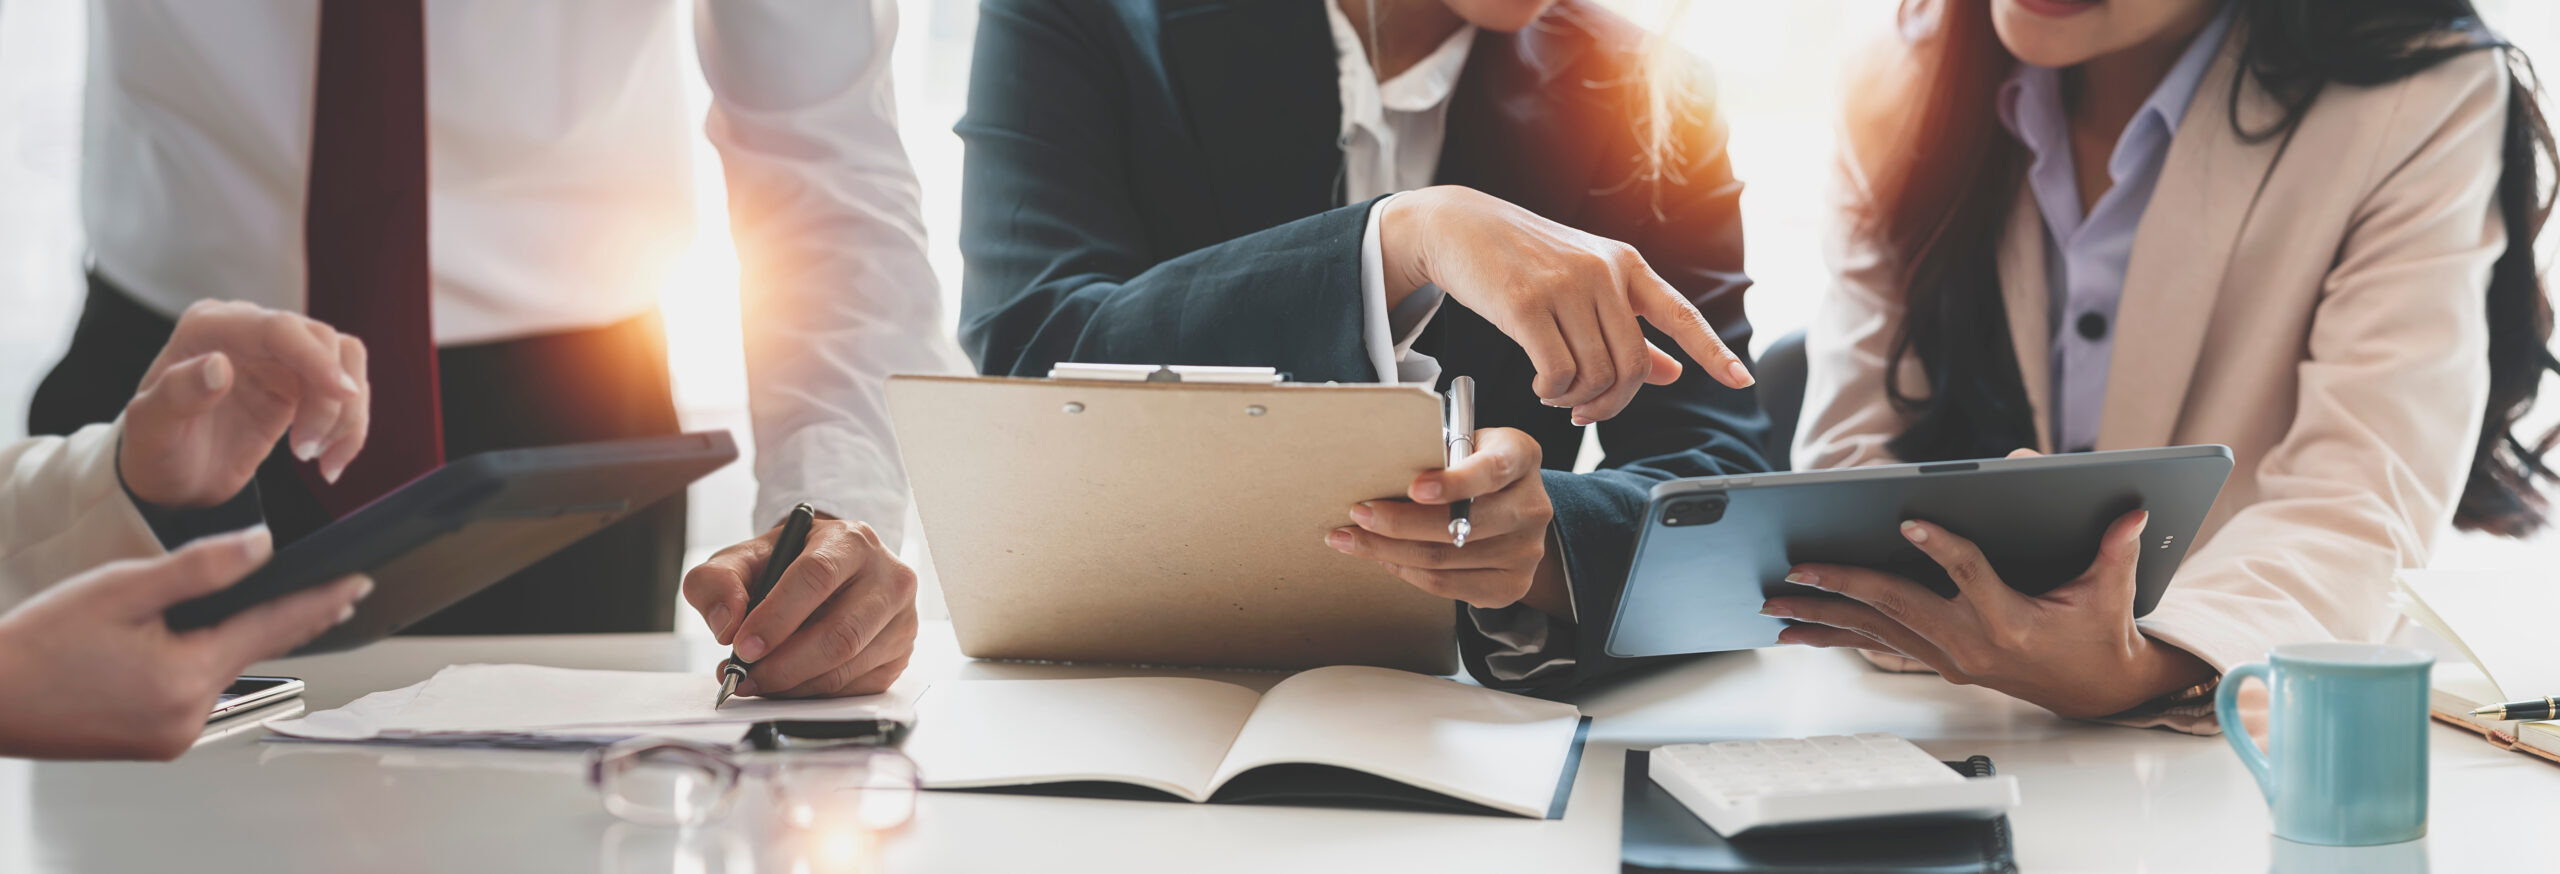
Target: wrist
point(2168, 671)
point(1548, 591)
point(1403, 223)
point(144, 491)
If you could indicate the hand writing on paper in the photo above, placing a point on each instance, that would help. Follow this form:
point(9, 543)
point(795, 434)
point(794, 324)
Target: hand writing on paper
point(1506, 560)
point(1572, 300)
point(842, 621)
point(90, 670)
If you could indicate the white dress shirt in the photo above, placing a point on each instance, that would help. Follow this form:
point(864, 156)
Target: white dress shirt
point(559, 154)
point(1391, 138)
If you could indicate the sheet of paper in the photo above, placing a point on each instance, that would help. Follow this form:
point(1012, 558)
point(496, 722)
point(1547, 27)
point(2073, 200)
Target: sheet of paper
point(1496, 749)
point(1166, 733)
point(2503, 618)
point(533, 699)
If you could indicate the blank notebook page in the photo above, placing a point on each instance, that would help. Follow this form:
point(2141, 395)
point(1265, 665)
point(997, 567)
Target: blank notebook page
point(1497, 749)
point(1166, 733)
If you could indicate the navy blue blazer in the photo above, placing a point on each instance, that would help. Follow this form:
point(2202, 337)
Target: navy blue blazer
point(1158, 181)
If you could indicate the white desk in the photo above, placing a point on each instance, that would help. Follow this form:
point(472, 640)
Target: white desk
point(2096, 798)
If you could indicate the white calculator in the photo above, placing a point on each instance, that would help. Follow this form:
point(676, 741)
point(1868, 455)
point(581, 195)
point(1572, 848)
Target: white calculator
point(1740, 785)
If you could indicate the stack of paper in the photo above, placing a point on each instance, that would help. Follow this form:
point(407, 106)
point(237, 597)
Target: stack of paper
point(544, 707)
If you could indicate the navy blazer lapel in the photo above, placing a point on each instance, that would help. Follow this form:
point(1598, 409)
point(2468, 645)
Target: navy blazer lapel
point(1525, 125)
point(1259, 86)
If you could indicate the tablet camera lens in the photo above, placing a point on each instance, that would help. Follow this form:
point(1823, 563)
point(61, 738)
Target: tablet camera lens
point(1707, 510)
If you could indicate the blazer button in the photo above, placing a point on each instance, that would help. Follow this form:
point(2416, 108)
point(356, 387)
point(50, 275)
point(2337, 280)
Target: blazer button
point(2093, 326)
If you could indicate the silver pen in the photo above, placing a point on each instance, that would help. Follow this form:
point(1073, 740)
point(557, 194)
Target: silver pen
point(1460, 435)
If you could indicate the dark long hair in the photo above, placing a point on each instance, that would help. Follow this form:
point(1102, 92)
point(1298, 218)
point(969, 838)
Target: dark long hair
point(1940, 214)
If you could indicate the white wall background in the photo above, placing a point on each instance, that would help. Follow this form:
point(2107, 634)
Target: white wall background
point(1775, 62)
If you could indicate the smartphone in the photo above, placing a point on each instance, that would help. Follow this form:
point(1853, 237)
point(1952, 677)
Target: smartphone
point(251, 693)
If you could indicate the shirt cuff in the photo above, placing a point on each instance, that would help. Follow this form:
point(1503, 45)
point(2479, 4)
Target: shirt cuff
point(1388, 335)
point(1529, 645)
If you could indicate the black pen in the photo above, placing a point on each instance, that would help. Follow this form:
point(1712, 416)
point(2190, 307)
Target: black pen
point(786, 549)
point(2547, 707)
point(1461, 438)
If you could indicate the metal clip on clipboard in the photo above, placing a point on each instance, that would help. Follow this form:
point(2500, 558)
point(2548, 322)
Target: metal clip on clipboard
point(1189, 373)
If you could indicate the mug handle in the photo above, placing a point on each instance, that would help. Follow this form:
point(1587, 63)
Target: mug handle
point(2226, 709)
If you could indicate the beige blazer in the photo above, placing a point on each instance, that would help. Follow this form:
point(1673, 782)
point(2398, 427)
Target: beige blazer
point(63, 510)
point(2316, 304)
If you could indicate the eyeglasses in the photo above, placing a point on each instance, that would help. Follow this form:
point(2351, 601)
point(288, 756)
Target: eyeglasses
point(674, 783)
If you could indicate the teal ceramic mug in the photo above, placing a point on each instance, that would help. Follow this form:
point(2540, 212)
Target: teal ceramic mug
point(2346, 759)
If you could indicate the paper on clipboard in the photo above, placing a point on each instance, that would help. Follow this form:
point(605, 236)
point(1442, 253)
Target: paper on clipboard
point(1170, 522)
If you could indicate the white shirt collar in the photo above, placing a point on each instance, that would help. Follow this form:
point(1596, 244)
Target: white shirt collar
point(1425, 87)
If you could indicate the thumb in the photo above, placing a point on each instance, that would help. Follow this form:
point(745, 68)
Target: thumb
point(186, 390)
point(1665, 370)
point(276, 627)
point(2119, 552)
point(148, 586)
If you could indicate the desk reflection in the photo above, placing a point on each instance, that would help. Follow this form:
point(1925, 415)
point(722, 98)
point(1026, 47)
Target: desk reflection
point(2287, 857)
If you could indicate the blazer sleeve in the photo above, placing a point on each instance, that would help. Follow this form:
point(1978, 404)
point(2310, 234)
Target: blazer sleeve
point(2389, 403)
point(1847, 419)
point(1061, 268)
point(1691, 428)
point(63, 510)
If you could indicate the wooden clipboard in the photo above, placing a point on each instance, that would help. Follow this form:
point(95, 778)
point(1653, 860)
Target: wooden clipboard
point(1167, 522)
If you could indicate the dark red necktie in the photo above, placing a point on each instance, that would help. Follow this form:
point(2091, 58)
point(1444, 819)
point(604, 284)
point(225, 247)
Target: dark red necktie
point(365, 234)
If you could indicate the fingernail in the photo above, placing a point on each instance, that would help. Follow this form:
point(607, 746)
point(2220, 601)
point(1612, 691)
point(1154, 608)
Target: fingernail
point(1392, 567)
point(364, 587)
point(348, 383)
point(751, 648)
point(1579, 419)
point(331, 472)
point(1772, 609)
point(1803, 578)
point(719, 619)
point(1916, 533)
point(344, 613)
point(1362, 514)
point(307, 450)
point(216, 372)
point(1338, 539)
point(254, 542)
point(1740, 375)
point(1549, 402)
point(1429, 491)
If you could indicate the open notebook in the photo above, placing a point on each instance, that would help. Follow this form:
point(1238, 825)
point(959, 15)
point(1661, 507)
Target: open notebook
point(1347, 736)
point(2500, 621)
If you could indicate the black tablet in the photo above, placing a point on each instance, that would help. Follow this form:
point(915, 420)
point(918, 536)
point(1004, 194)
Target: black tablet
point(466, 525)
point(1714, 548)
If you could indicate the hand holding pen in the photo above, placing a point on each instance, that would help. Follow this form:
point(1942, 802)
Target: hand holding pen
point(836, 614)
point(786, 549)
point(1506, 559)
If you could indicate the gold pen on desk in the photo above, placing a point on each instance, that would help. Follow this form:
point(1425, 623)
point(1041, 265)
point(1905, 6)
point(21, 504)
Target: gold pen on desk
point(786, 549)
point(2532, 709)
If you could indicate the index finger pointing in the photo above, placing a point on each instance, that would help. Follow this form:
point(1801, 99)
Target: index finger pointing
point(1668, 310)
